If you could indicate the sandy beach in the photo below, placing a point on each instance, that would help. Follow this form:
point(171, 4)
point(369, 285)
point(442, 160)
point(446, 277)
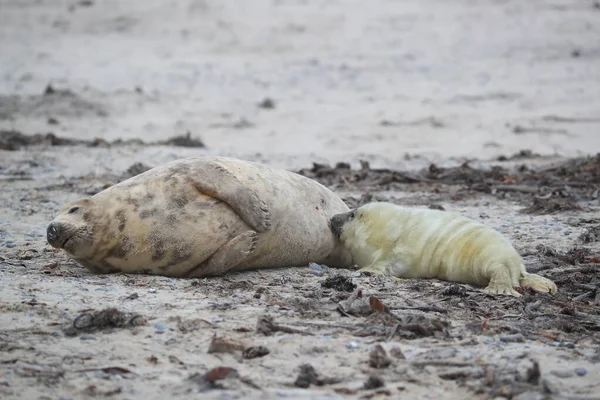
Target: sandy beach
point(490, 109)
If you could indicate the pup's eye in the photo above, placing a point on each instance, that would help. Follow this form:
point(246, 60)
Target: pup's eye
point(352, 214)
point(73, 209)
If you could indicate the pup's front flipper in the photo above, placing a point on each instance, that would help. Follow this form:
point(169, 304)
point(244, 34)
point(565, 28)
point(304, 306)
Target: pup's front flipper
point(380, 268)
point(501, 283)
point(376, 268)
point(227, 257)
point(216, 181)
point(538, 283)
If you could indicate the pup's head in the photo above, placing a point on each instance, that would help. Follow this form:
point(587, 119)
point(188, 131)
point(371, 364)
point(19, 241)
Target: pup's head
point(358, 222)
point(73, 228)
point(339, 222)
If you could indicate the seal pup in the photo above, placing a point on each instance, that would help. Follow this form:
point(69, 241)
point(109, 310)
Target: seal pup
point(204, 216)
point(404, 242)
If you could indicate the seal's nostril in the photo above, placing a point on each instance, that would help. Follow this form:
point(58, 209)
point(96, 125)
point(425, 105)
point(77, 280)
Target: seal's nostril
point(52, 233)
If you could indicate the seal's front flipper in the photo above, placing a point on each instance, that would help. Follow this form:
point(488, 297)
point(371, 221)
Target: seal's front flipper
point(216, 181)
point(379, 268)
point(228, 256)
point(538, 283)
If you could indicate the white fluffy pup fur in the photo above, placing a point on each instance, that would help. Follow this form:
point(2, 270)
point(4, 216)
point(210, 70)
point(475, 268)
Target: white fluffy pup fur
point(404, 242)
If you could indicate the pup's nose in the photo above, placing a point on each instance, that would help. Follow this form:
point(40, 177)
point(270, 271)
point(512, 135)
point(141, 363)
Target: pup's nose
point(53, 234)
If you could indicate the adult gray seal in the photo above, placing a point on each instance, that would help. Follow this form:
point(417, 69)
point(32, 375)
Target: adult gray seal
point(203, 216)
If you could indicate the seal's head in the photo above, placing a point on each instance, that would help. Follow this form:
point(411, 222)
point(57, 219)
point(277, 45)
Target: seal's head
point(72, 231)
point(359, 224)
point(340, 221)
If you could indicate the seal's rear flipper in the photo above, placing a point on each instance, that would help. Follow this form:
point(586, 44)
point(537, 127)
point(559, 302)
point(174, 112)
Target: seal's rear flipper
point(227, 257)
point(216, 181)
point(538, 283)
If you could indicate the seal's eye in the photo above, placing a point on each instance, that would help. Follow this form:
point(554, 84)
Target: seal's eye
point(73, 209)
point(352, 214)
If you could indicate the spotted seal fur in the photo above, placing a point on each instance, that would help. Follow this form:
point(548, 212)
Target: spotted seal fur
point(202, 216)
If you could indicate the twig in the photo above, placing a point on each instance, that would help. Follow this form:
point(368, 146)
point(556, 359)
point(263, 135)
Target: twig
point(574, 396)
point(317, 325)
point(586, 268)
point(267, 326)
point(514, 188)
point(421, 308)
point(463, 342)
point(582, 297)
point(444, 363)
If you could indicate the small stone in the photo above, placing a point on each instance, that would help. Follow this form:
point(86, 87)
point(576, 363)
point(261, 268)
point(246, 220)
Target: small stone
point(516, 338)
point(562, 373)
point(397, 353)
point(581, 371)
point(224, 345)
point(352, 345)
point(306, 377)
point(255, 352)
point(378, 358)
point(374, 382)
point(316, 269)
point(267, 103)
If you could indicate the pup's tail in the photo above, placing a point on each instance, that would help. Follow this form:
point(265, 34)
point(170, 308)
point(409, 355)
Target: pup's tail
point(537, 283)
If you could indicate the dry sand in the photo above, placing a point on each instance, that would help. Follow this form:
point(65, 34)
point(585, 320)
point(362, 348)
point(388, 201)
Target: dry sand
point(400, 84)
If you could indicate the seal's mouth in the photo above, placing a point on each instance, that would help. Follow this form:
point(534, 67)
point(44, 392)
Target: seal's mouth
point(61, 236)
point(64, 243)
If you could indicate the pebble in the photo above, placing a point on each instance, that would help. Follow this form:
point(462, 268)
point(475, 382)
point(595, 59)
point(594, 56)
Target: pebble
point(581, 371)
point(352, 345)
point(512, 338)
point(87, 337)
point(318, 269)
point(355, 274)
point(152, 291)
point(315, 269)
point(562, 373)
point(161, 326)
point(568, 345)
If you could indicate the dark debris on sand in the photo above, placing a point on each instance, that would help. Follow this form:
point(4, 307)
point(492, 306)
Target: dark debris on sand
point(551, 205)
point(15, 140)
point(308, 376)
point(591, 234)
point(545, 190)
point(109, 318)
point(339, 282)
point(572, 314)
